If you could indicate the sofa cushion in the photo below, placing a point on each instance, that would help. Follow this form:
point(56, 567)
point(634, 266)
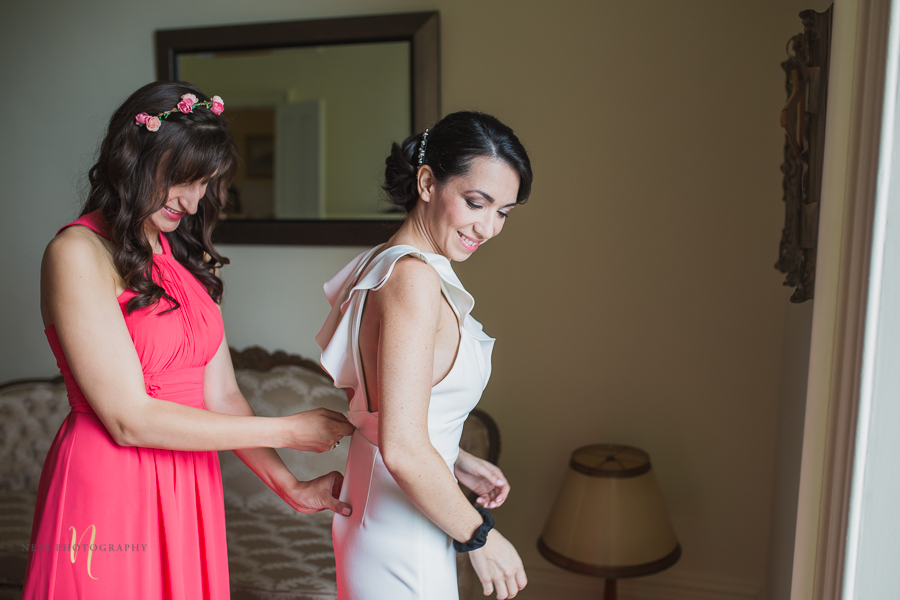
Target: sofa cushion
point(30, 416)
point(287, 556)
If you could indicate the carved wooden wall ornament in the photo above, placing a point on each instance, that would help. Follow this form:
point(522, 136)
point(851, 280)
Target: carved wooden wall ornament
point(803, 120)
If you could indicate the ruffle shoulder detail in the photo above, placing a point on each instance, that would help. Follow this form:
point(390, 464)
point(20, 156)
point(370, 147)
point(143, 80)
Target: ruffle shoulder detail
point(338, 337)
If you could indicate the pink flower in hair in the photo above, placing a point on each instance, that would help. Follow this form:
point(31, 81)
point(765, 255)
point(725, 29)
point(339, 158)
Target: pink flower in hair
point(152, 123)
point(187, 103)
point(141, 118)
point(217, 107)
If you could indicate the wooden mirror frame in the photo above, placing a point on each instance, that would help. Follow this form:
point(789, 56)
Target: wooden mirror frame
point(420, 29)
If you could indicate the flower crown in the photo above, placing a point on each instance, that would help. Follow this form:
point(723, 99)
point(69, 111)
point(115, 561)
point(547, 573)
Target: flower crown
point(187, 105)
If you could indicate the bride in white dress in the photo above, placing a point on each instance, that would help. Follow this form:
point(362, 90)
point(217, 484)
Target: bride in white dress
point(401, 339)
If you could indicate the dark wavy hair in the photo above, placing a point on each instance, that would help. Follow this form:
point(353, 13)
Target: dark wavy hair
point(452, 144)
point(135, 170)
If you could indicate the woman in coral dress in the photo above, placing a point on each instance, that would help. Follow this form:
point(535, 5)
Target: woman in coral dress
point(401, 338)
point(130, 500)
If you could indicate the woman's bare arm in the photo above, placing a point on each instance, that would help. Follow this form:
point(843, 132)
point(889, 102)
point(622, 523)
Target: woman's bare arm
point(408, 308)
point(79, 296)
point(222, 394)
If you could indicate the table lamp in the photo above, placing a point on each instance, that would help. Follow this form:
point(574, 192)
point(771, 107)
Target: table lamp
point(609, 519)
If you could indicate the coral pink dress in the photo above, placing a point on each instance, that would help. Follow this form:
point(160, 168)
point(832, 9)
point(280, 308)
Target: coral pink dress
point(146, 523)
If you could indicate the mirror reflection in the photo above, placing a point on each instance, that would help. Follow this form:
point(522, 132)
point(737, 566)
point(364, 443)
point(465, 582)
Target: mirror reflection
point(313, 125)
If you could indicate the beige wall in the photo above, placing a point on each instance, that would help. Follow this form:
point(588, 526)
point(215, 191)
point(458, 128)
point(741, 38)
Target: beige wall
point(633, 297)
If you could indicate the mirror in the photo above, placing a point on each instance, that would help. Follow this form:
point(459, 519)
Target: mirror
point(313, 106)
point(312, 125)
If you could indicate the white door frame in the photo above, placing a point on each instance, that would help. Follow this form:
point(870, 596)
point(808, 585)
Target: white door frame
point(853, 138)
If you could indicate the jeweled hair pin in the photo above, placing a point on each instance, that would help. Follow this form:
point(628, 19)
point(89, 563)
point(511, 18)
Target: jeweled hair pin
point(422, 148)
point(187, 105)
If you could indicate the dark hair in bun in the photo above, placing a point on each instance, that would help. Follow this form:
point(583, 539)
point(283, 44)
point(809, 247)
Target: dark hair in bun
point(452, 144)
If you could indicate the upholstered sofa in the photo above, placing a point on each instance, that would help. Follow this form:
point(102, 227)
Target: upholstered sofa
point(274, 552)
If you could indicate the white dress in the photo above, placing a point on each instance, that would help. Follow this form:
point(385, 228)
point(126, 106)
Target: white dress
point(387, 549)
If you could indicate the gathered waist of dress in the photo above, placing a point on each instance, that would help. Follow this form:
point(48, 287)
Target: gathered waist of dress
point(184, 386)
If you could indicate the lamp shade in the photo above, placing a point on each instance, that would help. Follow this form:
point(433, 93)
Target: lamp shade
point(609, 518)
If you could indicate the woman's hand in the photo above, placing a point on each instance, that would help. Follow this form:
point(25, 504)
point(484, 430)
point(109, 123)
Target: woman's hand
point(499, 567)
point(317, 430)
point(483, 478)
point(320, 494)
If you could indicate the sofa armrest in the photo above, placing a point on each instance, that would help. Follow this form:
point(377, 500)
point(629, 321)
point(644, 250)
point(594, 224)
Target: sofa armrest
point(481, 436)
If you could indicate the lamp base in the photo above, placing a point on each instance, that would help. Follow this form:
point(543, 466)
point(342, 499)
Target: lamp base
point(609, 589)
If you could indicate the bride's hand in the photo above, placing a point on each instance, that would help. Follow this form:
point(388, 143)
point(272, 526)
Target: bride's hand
point(499, 567)
point(483, 478)
point(316, 430)
point(320, 494)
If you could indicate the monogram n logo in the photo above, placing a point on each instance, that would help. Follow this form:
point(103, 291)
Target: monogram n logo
point(73, 551)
